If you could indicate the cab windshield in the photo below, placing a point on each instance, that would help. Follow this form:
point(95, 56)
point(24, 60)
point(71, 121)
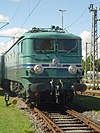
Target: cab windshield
point(63, 45)
point(69, 45)
point(44, 45)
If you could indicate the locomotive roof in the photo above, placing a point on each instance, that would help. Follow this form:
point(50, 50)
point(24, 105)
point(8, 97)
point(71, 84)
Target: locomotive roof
point(45, 33)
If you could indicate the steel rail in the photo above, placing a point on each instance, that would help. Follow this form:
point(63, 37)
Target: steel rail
point(85, 120)
point(51, 125)
point(90, 93)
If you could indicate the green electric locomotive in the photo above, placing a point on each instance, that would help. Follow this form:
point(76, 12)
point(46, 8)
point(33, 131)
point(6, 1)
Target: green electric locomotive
point(44, 66)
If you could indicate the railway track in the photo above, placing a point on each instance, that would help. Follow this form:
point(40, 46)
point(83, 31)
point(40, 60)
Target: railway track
point(62, 120)
point(91, 93)
point(65, 121)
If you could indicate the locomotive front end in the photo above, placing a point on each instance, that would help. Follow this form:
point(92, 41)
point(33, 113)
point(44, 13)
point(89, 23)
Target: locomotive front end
point(44, 66)
point(54, 66)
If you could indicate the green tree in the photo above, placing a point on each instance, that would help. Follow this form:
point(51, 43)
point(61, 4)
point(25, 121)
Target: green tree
point(88, 64)
point(83, 64)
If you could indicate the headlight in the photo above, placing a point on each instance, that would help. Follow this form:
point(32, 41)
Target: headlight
point(72, 69)
point(38, 69)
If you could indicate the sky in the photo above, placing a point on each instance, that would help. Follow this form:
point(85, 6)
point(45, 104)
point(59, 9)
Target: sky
point(18, 16)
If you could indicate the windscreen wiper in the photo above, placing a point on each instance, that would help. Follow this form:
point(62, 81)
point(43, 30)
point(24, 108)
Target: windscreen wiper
point(44, 53)
point(71, 49)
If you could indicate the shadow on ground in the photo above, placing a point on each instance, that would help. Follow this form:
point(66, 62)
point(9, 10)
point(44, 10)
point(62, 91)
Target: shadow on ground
point(88, 103)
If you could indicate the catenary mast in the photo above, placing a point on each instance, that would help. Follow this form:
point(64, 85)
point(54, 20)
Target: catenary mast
point(94, 46)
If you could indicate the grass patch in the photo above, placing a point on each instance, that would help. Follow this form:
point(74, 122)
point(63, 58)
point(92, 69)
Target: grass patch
point(88, 103)
point(12, 120)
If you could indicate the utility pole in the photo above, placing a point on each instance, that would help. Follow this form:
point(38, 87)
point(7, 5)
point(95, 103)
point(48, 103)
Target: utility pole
point(62, 11)
point(86, 56)
point(94, 45)
point(86, 63)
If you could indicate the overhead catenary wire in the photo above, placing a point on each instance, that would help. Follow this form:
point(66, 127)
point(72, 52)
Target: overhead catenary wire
point(81, 15)
point(84, 22)
point(16, 10)
point(28, 6)
point(4, 25)
point(28, 16)
point(12, 16)
point(77, 19)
